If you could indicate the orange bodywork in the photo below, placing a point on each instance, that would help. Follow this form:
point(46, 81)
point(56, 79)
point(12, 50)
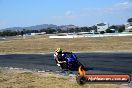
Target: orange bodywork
point(81, 71)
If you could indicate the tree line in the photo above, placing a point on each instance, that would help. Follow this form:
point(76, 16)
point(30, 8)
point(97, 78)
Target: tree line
point(118, 28)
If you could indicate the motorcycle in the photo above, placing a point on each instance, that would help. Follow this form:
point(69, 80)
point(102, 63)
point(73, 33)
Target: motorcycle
point(69, 62)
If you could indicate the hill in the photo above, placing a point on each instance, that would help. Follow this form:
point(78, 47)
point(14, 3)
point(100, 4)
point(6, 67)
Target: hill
point(36, 27)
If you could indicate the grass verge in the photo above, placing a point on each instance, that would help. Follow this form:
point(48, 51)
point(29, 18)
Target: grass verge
point(12, 79)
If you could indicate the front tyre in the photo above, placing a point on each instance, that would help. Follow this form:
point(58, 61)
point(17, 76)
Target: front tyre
point(81, 80)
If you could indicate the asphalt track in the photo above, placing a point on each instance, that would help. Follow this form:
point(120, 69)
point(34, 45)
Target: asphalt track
point(94, 62)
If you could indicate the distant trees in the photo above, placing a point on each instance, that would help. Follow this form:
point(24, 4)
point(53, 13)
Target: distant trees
point(109, 31)
point(117, 28)
point(129, 20)
point(8, 33)
point(102, 32)
point(47, 30)
point(50, 31)
point(80, 29)
point(86, 29)
point(121, 28)
point(114, 27)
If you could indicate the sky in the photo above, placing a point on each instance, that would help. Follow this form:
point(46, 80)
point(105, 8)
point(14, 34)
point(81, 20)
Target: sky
point(24, 13)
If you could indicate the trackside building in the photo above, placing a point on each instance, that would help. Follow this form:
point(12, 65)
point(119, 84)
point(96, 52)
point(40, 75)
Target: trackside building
point(102, 27)
point(128, 27)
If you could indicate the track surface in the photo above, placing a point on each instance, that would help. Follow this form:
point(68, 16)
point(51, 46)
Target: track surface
point(94, 62)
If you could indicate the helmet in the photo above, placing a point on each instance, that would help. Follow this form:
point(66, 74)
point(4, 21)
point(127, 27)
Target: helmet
point(58, 50)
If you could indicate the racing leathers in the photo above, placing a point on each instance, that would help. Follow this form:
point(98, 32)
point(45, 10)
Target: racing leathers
point(58, 56)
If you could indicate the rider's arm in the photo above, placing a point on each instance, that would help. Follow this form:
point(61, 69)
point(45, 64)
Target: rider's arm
point(58, 56)
point(55, 57)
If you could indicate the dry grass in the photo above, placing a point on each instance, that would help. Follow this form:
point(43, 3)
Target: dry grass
point(42, 80)
point(44, 44)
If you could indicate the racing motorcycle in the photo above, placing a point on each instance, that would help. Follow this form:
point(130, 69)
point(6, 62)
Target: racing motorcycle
point(69, 62)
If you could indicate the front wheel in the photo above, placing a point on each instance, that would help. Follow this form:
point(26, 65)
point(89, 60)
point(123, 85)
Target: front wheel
point(81, 80)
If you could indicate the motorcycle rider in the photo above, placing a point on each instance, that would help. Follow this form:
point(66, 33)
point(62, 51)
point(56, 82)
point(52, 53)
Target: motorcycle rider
point(66, 60)
point(58, 56)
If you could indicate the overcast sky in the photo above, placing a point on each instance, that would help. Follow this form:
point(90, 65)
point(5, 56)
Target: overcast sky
point(22, 13)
